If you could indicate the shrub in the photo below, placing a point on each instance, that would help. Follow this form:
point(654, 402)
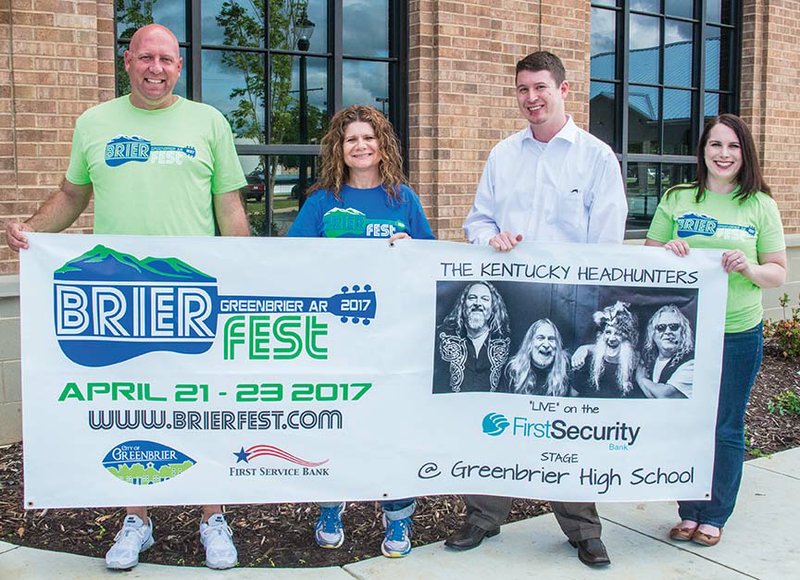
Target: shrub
point(784, 335)
point(785, 403)
point(748, 444)
point(256, 219)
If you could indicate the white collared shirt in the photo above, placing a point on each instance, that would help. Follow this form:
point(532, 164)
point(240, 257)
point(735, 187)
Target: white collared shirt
point(566, 190)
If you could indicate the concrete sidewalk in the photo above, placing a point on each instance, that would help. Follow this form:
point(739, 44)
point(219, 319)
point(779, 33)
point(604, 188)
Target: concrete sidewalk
point(759, 542)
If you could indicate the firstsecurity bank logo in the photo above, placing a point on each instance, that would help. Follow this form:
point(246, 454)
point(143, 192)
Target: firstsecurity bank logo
point(123, 149)
point(619, 434)
point(110, 307)
point(146, 462)
point(494, 424)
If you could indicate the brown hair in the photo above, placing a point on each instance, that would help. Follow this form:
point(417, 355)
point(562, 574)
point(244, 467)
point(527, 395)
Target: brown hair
point(543, 60)
point(333, 171)
point(750, 178)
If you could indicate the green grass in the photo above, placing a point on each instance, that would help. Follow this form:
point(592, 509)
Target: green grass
point(277, 204)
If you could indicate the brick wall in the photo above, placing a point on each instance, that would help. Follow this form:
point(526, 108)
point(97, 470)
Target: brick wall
point(10, 377)
point(56, 60)
point(461, 93)
point(7, 150)
point(770, 78)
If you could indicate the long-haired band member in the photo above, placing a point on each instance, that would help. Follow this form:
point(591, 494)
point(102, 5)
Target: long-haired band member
point(473, 341)
point(540, 367)
point(667, 366)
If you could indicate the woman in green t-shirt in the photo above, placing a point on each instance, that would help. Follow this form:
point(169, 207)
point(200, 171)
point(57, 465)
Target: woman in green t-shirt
point(729, 207)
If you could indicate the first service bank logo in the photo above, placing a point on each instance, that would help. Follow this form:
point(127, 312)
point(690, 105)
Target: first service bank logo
point(111, 307)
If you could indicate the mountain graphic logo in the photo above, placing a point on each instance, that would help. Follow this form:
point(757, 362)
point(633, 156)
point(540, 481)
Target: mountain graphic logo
point(123, 149)
point(146, 462)
point(110, 307)
point(693, 224)
point(494, 424)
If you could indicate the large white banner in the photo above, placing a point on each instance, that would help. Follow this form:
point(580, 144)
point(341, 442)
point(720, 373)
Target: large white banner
point(221, 370)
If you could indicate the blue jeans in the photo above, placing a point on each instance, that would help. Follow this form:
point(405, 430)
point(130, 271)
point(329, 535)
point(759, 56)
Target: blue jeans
point(395, 509)
point(741, 359)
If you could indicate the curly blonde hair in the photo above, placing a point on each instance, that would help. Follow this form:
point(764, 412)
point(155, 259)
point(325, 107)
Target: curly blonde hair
point(333, 171)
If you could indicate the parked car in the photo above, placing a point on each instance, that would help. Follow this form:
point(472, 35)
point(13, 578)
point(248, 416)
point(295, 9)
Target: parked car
point(256, 186)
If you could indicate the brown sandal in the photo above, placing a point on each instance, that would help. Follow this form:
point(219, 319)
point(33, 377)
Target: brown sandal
point(704, 539)
point(683, 534)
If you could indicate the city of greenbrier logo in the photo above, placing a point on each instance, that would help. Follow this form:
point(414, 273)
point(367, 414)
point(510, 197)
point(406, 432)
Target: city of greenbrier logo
point(146, 462)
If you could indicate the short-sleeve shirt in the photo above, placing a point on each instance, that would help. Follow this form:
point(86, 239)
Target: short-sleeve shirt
point(361, 213)
point(682, 378)
point(721, 222)
point(154, 172)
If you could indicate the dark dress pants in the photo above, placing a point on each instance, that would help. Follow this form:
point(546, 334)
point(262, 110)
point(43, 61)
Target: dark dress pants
point(578, 520)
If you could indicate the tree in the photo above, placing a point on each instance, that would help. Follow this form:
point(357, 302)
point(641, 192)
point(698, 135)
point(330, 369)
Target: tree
point(242, 23)
point(133, 14)
point(242, 29)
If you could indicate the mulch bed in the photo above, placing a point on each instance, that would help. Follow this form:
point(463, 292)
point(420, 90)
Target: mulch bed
point(771, 432)
point(282, 535)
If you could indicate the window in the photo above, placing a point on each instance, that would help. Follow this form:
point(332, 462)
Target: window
point(278, 70)
point(659, 70)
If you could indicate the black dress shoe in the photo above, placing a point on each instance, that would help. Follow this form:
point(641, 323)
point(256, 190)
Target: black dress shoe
point(469, 536)
point(592, 552)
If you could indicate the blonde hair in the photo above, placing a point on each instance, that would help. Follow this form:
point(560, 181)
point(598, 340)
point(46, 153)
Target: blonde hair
point(523, 379)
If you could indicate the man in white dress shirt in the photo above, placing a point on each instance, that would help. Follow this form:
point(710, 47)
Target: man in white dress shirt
point(551, 182)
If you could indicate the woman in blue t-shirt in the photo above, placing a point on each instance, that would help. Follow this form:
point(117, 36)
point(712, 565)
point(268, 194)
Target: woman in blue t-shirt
point(362, 193)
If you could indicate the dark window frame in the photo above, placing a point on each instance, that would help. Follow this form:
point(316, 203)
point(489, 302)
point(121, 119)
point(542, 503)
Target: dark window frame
point(397, 62)
point(622, 10)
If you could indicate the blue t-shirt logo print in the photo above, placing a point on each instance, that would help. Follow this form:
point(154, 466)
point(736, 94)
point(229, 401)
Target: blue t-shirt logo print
point(692, 224)
point(123, 149)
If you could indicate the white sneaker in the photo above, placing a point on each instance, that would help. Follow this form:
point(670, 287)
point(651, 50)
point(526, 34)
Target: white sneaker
point(217, 538)
point(134, 537)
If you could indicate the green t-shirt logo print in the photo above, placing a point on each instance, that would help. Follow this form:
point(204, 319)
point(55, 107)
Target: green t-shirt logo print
point(340, 222)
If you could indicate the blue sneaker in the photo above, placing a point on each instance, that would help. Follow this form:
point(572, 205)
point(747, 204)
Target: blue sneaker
point(329, 532)
point(397, 541)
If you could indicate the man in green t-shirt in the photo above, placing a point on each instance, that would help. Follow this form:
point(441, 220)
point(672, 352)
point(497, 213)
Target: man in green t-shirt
point(157, 164)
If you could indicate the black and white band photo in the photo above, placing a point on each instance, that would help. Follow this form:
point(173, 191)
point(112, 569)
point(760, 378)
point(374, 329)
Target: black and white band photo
point(562, 340)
